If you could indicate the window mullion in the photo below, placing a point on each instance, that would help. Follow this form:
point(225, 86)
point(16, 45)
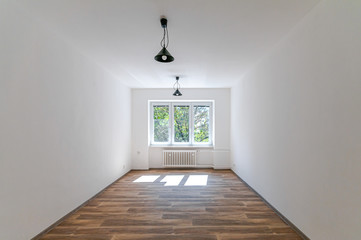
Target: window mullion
point(191, 124)
point(171, 130)
point(211, 119)
point(151, 123)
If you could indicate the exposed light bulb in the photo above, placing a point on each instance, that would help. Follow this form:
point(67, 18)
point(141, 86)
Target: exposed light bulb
point(164, 57)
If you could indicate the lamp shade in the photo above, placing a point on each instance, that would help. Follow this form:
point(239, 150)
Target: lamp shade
point(177, 93)
point(164, 56)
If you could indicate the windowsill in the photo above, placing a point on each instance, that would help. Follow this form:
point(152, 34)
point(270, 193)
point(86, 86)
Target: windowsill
point(181, 146)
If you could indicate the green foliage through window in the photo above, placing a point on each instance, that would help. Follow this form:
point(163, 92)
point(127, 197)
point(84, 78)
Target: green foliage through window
point(161, 123)
point(201, 124)
point(181, 123)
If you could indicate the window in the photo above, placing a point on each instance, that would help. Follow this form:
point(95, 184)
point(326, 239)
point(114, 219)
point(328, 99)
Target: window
point(161, 123)
point(181, 123)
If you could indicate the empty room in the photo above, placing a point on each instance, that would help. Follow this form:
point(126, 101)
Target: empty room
point(180, 120)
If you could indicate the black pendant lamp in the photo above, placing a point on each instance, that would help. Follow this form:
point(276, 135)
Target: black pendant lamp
point(164, 56)
point(176, 87)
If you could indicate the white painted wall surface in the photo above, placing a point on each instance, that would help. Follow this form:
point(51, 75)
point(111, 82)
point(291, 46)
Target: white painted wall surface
point(296, 124)
point(144, 157)
point(64, 127)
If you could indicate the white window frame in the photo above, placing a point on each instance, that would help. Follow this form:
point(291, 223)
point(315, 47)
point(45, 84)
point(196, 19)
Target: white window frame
point(151, 120)
point(171, 131)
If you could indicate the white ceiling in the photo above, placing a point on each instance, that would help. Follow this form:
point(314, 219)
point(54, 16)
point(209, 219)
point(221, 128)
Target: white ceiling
point(214, 42)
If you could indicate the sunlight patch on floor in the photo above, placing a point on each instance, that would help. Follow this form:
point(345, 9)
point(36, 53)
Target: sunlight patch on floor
point(197, 180)
point(175, 180)
point(172, 180)
point(148, 178)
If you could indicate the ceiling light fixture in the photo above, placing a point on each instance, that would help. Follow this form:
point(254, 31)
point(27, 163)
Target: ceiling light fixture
point(176, 87)
point(164, 56)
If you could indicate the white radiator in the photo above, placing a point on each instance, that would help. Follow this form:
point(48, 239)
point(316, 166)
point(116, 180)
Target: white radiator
point(179, 158)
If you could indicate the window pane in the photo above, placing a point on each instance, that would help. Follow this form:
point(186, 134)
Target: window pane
point(181, 123)
point(201, 124)
point(161, 123)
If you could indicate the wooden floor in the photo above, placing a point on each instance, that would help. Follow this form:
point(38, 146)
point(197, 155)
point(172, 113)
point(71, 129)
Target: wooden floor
point(223, 209)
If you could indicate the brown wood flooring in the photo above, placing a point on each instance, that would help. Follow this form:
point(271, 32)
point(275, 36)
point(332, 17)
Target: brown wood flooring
point(224, 209)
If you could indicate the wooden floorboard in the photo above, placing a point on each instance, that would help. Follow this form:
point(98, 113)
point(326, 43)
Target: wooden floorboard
point(224, 209)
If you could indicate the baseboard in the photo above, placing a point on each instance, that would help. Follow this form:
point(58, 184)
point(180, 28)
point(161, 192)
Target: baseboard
point(288, 222)
point(48, 229)
point(221, 167)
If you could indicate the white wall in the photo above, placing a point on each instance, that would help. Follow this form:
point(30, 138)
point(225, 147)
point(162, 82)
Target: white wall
point(64, 127)
point(296, 117)
point(144, 157)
